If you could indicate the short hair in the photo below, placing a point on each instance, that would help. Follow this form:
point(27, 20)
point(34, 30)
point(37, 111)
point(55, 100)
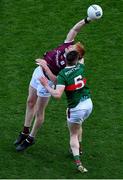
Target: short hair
point(72, 56)
point(80, 49)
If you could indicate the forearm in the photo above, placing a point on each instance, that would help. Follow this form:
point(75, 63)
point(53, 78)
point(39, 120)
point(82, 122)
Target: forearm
point(54, 92)
point(43, 64)
point(51, 76)
point(76, 28)
point(57, 93)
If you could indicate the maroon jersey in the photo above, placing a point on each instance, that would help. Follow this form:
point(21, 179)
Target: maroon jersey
point(55, 59)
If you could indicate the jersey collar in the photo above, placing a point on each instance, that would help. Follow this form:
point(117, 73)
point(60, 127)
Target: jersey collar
point(70, 66)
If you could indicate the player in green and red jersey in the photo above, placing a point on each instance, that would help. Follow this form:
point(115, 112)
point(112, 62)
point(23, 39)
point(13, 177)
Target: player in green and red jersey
point(72, 80)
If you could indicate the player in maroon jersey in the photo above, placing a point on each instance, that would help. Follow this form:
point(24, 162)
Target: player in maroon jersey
point(38, 96)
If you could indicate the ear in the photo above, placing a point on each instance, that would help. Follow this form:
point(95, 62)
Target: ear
point(81, 61)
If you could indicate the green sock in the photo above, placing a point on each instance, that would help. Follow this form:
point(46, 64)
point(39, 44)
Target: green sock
point(77, 160)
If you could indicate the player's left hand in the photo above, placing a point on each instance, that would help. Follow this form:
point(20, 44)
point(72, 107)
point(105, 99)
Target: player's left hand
point(42, 63)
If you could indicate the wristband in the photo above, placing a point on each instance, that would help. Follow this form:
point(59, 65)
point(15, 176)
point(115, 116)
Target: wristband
point(86, 20)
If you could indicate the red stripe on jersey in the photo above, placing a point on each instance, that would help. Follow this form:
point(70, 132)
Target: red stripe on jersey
point(73, 87)
point(84, 80)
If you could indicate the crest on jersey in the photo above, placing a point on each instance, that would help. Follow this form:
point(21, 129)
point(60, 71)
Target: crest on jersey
point(62, 63)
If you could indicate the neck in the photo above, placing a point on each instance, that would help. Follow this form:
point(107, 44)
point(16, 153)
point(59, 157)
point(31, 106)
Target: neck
point(73, 64)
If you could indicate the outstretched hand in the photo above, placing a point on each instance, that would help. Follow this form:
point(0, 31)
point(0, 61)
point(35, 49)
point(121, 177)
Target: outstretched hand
point(43, 81)
point(42, 63)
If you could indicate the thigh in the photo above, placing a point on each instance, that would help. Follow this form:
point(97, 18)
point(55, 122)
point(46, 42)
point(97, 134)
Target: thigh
point(32, 94)
point(35, 83)
point(34, 80)
point(42, 103)
point(80, 112)
point(42, 91)
point(75, 116)
point(87, 108)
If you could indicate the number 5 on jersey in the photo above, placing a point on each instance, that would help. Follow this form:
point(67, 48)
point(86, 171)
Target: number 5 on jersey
point(79, 82)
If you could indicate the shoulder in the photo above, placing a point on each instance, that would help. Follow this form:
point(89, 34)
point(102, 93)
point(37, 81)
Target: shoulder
point(80, 65)
point(61, 78)
point(62, 73)
point(64, 45)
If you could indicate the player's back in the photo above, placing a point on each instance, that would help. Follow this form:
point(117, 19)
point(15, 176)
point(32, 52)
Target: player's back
point(75, 84)
point(56, 59)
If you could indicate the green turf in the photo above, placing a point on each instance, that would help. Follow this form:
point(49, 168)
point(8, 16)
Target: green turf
point(28, 28)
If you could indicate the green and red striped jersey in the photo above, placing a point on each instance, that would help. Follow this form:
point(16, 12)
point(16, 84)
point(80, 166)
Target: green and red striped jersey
point(72, 77)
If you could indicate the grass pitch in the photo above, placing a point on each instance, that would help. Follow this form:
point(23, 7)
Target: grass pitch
point(28, 28)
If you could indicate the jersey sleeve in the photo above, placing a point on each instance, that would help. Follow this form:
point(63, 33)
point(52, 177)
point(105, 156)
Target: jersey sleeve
point(82, 65)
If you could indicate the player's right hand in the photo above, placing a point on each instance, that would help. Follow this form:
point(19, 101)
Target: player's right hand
point(42, 63)
point(43, 81)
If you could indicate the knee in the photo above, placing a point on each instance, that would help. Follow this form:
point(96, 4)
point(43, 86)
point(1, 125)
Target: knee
point(31, 102)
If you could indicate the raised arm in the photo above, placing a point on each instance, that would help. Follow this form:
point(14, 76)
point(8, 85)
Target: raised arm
point(76, 28)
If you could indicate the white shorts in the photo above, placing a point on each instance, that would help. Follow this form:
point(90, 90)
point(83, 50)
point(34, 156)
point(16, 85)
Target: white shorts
point(35, 83)
point(80, 112)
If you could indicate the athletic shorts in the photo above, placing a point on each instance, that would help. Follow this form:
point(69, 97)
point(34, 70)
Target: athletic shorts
point(35, 83)
point(81, 112)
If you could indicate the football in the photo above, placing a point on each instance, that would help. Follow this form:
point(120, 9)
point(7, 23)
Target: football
point(94, 12)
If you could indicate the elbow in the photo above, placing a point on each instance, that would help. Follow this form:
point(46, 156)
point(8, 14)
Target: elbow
point(57, 96)
point(55, 81)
